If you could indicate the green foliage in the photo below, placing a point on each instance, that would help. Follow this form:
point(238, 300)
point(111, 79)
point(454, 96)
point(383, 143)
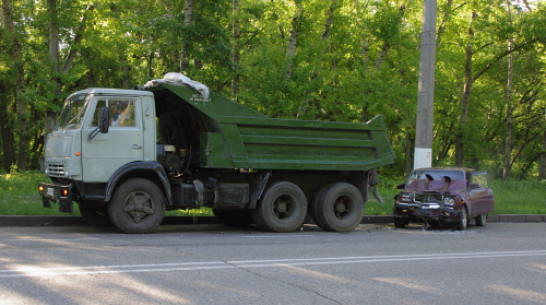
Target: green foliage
point(352, 60)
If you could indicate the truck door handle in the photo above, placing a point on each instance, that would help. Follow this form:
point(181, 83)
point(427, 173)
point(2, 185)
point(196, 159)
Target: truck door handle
point(136, 146)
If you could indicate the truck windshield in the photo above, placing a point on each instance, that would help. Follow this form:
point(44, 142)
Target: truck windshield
point(73, 111)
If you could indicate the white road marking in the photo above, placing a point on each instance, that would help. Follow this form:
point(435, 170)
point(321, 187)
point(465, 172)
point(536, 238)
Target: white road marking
point(35, 271)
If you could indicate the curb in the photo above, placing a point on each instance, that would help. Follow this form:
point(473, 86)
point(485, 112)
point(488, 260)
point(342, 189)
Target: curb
point(58, 221)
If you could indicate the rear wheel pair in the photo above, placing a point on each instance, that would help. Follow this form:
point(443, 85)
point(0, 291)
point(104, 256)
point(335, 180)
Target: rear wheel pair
point(338, 207)
point(283, 208)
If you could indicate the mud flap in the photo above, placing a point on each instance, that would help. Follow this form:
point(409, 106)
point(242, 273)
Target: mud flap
point(66, 206)
point(46, 202)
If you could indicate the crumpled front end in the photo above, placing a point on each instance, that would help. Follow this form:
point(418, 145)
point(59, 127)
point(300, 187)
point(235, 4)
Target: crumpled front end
point(427, 206)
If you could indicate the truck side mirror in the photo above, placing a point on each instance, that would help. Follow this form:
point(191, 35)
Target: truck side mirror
point(104, 123)
point(104, 120)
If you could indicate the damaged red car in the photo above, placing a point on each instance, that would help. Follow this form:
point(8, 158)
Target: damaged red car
point(435, 196)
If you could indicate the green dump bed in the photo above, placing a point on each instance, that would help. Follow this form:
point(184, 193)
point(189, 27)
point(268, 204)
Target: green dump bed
point(235, 136)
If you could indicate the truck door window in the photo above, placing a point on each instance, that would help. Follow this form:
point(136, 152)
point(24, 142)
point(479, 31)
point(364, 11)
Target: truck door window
point(122, 112)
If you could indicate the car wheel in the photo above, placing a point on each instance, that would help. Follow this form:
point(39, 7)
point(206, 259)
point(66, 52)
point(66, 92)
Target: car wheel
point(338, 207)
point(481, 220)
point(138, 206)
point(463, 222)
point(283, 208)
point(399, 223)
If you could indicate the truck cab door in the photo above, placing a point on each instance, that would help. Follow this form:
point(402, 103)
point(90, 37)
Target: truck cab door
point(104, 153)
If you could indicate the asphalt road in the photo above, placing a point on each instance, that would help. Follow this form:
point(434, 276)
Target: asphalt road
point(504, 263)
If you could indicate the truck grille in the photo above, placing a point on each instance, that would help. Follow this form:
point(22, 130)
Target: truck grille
point(57, 170)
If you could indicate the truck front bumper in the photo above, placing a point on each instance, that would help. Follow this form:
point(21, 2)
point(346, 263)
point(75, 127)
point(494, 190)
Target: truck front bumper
point(57, 192)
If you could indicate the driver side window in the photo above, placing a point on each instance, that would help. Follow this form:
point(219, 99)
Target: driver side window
point(121, 111)
point(479, 181)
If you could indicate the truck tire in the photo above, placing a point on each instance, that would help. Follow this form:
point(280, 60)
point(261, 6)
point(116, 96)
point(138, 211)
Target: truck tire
point(338, 207)
point(138, 206)
point(283, 208)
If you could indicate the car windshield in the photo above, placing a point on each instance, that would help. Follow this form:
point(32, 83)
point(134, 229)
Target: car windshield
point(436, 180)
point(73, 111)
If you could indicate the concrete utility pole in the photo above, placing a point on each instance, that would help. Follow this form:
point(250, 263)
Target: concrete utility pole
point(425, 96)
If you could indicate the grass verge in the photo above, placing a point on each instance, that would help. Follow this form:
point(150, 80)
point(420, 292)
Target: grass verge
point(19, 196)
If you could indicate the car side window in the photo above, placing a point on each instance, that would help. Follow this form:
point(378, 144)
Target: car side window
point(479, 180)
point(121, 111)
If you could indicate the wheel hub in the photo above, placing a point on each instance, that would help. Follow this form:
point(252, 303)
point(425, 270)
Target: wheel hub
point(138, 206)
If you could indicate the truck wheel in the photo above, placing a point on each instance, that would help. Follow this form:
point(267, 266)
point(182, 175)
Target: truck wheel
point(95, 216)
point(138, 206)
point(283, 208)
point(338, 207)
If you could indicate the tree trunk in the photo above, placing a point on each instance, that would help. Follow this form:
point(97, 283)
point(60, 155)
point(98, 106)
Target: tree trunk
point(329, 20)
point(77, 39)
point(53, 36)
point(302, 108)
point(542, 162)
point(15, 51)
point(508, 136)
point(364, 50)
point(188, 21)
point(8, 142)
point(445, 17)
point(409, 153)
point(293, 40)
point(235, 52)
point(53, 44)
point(382, 55)
point(467, 90)
point(387, 44)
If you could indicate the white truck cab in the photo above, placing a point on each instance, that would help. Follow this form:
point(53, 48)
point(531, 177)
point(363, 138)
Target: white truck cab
point(77, 151)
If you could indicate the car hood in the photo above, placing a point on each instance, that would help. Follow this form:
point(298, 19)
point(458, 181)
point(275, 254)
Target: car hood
point(427, 186)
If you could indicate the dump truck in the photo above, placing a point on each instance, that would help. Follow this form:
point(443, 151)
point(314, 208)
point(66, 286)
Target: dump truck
point(128, 156)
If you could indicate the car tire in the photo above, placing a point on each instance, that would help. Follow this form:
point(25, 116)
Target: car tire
point(282, 208)
point(338, 207)
point(462, 224)
point(138, 206)
point(399, 223)
point(481, 220)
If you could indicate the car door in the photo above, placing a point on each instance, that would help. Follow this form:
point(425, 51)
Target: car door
point(480, 193)
point(103, 154)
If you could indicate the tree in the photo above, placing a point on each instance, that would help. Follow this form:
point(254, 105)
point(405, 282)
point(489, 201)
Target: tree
point(12, 37)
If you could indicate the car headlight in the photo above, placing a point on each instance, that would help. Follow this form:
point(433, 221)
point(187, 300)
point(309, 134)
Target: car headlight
point(406, 197)
point(448, 201)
